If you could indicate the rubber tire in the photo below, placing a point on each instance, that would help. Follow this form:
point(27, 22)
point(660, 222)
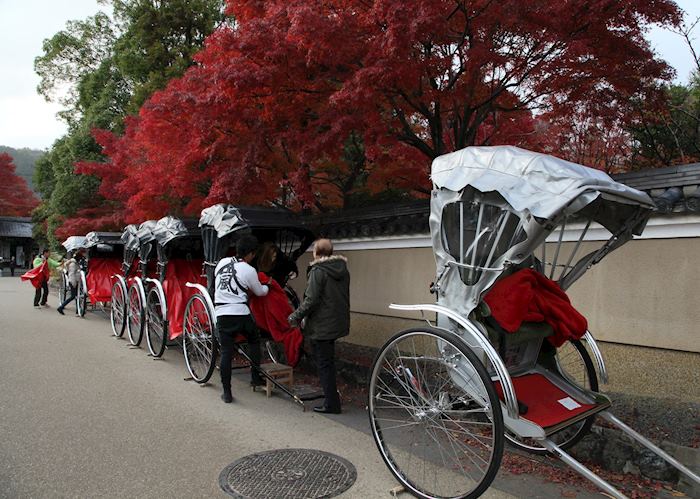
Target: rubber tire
point(498, 426)
point(118, 331)
point(215, 345)
point(155, 345)
point(62, 288)
point(81, 299)
point(135, 338)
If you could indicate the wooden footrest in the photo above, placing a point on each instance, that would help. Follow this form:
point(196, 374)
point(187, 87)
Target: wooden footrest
point(281, 373)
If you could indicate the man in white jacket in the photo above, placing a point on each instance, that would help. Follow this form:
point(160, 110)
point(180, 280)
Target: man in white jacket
point(235, 278)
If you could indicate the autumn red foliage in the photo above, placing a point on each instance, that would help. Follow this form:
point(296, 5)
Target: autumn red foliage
point(16, 199)
point(303, 102)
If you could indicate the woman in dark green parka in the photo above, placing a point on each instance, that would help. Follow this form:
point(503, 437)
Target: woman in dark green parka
point(325, 312)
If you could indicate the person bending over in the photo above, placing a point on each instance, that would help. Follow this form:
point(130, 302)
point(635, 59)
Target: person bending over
point(235, 278)
point(42, 292)
point(72, 269)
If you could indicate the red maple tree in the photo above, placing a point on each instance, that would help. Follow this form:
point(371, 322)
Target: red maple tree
point(16, 199)
point(301, 101)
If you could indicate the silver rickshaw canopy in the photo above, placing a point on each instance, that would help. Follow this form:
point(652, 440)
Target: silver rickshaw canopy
point(532, 195)
point(74, 243)
point(169, 228)
point(129, 238)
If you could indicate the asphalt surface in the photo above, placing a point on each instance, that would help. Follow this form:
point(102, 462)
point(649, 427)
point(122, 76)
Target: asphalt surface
point(83, 415)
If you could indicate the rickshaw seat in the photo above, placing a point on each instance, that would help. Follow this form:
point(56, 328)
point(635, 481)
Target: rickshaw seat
point(519, 350)
point(526, 332)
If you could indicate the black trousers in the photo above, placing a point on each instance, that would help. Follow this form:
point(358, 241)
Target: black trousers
point(73, 293)
point(41, 294)
point(324, 353)
point(229, 327)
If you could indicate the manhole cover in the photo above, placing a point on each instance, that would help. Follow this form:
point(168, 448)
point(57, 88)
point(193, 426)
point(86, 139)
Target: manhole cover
point(293, 473)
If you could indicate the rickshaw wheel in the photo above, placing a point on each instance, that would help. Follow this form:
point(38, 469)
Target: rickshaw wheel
point(275, 351)
point(156, 332)
point(435, 415)
point(117, 313)
point(574, 364)
point(292, 297)
point(81, 299)
point(198, 341)
point(62, 289)
point(135, 317)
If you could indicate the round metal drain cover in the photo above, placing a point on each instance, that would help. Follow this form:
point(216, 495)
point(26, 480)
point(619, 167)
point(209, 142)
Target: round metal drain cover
point(288, 473)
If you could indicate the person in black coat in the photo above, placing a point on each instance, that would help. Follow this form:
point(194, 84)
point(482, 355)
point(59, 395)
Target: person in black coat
point(326, 310)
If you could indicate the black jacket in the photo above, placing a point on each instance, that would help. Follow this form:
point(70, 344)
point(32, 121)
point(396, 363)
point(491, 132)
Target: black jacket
point(326, 304)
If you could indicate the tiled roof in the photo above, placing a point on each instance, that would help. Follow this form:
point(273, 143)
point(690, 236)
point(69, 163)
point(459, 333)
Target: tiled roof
point(675, 189)
point(408, 217)
point(20, 227)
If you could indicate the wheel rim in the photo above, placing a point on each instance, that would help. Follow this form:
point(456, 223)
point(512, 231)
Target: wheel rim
point(198, 339)
point(275, 351)
point(156, 324)
point(577, 369)
point(62, 289)
point(81, 300)
point(134, 318)
point(438, 439)
point(117, 312)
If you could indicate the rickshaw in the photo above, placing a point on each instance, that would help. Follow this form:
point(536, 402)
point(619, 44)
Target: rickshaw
point(443, 398)
point(120, 287)
point(142, 244)
point(180, 258)
point(72, 245)
point(221, 226)
point(104, 252)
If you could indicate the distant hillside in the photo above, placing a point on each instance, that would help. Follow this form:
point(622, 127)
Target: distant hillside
point(24, 160)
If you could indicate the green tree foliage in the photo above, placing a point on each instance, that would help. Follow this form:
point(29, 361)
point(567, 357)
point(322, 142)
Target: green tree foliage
point(673, 135)
point(101, 69)
point(669, 133)
point(159, 39)
point(69, 56)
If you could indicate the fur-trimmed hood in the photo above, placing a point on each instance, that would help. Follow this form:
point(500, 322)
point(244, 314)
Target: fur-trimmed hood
point(335, 266)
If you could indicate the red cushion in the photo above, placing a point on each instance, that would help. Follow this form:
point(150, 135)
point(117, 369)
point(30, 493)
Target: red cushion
point(541, 397)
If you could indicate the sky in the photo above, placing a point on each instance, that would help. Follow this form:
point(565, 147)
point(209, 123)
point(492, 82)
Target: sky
point(27, 120)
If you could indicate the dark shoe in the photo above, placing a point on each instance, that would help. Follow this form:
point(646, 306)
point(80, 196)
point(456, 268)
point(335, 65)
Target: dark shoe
point(326, 410)
point(258, 382)
point(60, 311)
point(227, 397)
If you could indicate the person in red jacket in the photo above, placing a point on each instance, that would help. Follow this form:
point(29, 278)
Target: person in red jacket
point(42, 292)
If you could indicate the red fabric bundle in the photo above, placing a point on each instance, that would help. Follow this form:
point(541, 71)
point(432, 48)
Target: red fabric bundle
point(177, 273)
point(528, 296)
point(99, 278)
point(38, 275)
point(271, 312)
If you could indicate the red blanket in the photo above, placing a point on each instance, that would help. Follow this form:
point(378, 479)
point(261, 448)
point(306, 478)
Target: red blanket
point(528, 296)
point(38, 275)
point(177, 273)
point(99, 278)
point(271, 312)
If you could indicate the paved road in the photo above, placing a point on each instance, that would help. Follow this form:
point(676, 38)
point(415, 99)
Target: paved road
point(83, 415)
